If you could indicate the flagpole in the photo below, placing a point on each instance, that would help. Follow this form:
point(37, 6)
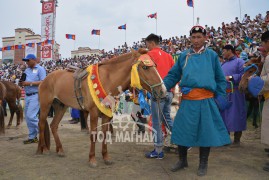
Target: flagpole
point(74, 44)
point(156, 26)
point(99, 43)
point(193, 15)
point(125, 34)
point(240, 10)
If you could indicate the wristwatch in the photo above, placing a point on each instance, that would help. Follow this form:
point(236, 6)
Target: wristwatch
point(31, 84)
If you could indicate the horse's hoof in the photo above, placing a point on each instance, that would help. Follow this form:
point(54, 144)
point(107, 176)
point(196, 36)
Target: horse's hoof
point(61, 154)
point(47, 152)
point(38, 152)
point(108, 162)
point(8, 126)
point(92, 164)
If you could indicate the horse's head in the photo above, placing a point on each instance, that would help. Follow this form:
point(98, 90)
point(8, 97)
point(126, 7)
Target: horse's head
point(251, 67)
point(145, 75)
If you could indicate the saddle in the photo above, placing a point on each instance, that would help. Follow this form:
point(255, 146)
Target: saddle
point(79, 75)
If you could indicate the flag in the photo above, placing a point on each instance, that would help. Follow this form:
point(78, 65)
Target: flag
point(122, 27)
point(19, 46)
point(153, 16)
point(9, 48)
point(40, 44)
point(70, 36)
point(30, 45)
point(49, 41)
point(190, 3)
point(95, 32)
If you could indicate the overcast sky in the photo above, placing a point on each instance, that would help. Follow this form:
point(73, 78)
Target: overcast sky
point(79, 17)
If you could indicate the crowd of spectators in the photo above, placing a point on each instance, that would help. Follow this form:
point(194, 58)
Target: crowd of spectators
point(244, 35)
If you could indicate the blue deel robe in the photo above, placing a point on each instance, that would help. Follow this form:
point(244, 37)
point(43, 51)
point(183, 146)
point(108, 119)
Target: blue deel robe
point(198, 122)
point(235, 118)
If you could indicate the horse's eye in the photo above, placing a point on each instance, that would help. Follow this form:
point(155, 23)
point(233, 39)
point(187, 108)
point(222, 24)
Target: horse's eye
point(145, 67)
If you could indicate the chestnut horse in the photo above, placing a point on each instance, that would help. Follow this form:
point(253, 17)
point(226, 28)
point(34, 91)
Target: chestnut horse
point(2, 115)
point(57, 89)
point(13, 95)
point(251, 67)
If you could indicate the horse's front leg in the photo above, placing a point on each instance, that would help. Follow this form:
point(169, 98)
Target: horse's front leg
point(93, 136)
point(106, 138)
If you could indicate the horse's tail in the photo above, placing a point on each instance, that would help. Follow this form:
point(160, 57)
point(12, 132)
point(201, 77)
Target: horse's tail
point(21, 112)
point(2, 120)
point(47, 135)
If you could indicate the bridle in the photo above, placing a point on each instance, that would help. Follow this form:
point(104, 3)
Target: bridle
point(256, 65)
point(156, 96)
point(146, 64)
point(250, 66)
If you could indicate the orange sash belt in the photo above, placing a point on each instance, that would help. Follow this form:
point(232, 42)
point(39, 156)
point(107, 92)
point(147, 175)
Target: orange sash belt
point(198, 94)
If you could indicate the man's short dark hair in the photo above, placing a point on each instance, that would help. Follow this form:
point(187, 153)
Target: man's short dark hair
point(229, 47)
point(265, 36)
point(153, 37)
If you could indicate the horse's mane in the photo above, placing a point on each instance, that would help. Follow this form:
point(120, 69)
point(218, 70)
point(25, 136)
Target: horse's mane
point(123, 57)
point(254, 60)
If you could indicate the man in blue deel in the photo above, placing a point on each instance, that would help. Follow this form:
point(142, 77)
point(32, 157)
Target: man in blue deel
point(35, 74)
point(198, 122)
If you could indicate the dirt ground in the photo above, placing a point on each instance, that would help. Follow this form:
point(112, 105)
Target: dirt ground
point(18, 161)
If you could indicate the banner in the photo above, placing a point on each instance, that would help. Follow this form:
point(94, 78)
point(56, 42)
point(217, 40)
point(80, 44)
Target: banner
point(48, 7)
point(7, 54)
point(47, 26)
point(48, 18)
point(30, 49)
point(46, 52)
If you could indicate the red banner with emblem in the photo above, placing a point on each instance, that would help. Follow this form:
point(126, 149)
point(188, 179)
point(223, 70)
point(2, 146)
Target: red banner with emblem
point(46, 51)
point(48, 7)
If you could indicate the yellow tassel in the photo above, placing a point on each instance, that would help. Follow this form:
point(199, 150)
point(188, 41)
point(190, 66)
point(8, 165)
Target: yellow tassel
point(101, 107)
point(266, 95)
point(135, 80)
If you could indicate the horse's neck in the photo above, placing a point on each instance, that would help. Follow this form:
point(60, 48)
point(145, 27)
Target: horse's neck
point(114, 75)
point(260, 66)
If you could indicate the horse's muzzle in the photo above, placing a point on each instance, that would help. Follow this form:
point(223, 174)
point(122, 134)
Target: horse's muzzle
point(163, 91)
point(160, 93)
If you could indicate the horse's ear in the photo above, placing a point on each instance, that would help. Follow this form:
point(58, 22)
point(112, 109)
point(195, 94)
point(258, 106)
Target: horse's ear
point(135, 54)
point(142, 51)
point(133, 51)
